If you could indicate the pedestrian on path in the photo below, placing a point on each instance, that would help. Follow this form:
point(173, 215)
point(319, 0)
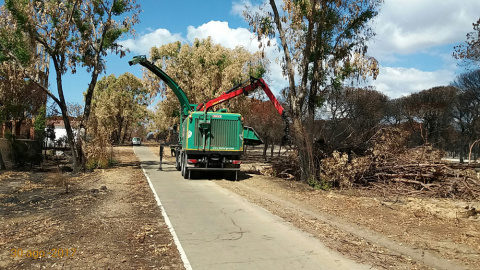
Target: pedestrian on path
point(161, 155)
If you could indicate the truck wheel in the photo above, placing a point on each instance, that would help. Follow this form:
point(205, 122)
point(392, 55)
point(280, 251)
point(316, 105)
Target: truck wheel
point(182, 165)
point(185, 171)
point(232, 176)
point(177, 163)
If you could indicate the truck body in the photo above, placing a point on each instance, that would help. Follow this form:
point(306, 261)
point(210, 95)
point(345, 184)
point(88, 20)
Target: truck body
point(207, 140)
point(212, 141)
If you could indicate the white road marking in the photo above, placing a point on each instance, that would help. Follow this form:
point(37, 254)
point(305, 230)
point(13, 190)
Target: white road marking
point(183, 255)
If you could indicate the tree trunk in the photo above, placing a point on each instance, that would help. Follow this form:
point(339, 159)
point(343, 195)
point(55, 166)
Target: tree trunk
point(470, 151)
point(66, 120)
point(296, 98)
point(120, 127)
point(125, 132)
point(265, 147)
point(2, 164)
point(305, 152)
point(89, 94)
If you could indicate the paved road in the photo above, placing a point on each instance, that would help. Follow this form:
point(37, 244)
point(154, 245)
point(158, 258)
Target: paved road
point(221, 230)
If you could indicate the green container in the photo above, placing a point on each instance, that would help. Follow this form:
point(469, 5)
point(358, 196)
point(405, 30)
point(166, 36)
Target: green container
point(213, 131)
point(250, 136)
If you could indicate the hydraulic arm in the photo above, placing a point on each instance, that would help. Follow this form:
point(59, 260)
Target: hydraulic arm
point(236, 91)
point(182, 97)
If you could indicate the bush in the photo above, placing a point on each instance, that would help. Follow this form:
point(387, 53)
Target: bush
point(342, 170)
point(339, 171)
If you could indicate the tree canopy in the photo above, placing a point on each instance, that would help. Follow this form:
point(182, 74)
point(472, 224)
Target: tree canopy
point(117, 104)
point(70, 33)
point(203, 70)
point(470, 50)
point(324, 42)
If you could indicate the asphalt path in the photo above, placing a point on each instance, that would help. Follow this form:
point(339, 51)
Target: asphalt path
point(218, 229)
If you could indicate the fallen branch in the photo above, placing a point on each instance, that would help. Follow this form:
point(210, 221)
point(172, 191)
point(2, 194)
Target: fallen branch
point(396, 175)
point(403, 180)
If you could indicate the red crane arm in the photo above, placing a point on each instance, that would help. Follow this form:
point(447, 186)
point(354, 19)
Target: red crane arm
point(229, 95)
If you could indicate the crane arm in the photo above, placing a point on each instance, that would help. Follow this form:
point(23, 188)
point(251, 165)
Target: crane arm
point(254, 84)
point(182, 97)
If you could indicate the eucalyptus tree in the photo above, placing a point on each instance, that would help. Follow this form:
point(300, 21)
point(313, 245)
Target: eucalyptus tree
point(72, 33)
point(323, 43)
point(117, 104)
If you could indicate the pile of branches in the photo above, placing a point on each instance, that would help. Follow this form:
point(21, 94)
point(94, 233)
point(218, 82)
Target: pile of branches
point(390, 167)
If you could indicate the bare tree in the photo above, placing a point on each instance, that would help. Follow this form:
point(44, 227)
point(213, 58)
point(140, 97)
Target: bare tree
point(466, 110)
point(470, 50)
point(354, 115)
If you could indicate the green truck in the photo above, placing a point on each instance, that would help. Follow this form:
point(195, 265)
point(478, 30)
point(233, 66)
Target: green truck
point(207, 140)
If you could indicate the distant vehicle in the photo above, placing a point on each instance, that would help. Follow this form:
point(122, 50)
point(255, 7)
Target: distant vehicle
point(136, 141)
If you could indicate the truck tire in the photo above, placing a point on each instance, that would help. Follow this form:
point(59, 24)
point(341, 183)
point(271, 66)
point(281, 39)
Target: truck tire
point(177, 162)
point(182, 164)
point(232, 175)
point(185, 172)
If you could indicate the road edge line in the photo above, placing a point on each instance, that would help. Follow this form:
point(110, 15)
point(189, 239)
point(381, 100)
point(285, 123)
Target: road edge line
point(183, 255)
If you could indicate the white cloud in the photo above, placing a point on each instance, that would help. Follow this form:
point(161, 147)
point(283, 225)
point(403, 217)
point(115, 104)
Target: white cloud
point(410, 26)
point(222, 34)
point(239, 6)
point(406, 27)
point(397, 82)
point(155, 38)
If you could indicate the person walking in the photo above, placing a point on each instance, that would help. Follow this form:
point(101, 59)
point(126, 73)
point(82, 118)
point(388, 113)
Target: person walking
point(161, 155)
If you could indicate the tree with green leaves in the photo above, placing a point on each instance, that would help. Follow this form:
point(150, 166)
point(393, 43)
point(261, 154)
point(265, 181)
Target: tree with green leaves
point(324, 43)
point(72, 33)
point(40, 124)
point(118, 103)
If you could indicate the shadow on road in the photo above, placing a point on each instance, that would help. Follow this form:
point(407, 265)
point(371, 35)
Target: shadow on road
point(195, 175)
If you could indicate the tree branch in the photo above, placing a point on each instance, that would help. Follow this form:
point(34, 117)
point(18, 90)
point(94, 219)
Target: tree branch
point(283, 39)
point(31, 77)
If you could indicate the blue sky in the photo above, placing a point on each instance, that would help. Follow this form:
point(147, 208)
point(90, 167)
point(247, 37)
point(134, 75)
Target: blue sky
point(414, 41)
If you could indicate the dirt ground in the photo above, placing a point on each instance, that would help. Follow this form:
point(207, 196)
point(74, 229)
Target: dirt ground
point(108, 220)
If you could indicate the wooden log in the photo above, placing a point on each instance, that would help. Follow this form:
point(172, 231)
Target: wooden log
point(415, 175)
point(409, 181)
